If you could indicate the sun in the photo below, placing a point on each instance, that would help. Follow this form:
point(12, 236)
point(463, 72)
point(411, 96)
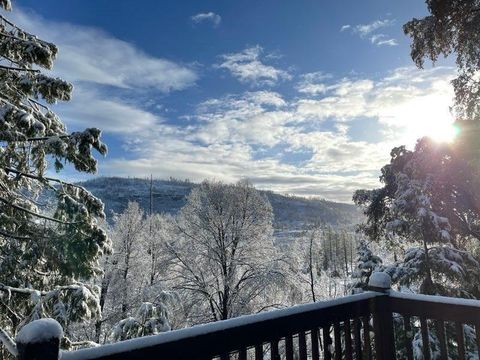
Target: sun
point(426, 116)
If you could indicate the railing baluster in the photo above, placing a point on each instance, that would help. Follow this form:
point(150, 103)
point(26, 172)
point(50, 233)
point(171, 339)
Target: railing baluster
point(408, 336)
point(242, 354)
point(327, 343)
point(460, 340)
point(356, 338)
point(440, 329)
point(338, 341)
point(259, 352)
point(348, 340)
point(477, 337)
point(289, 347)
point(274, 353)
point(315, 344)
point(425, 340)
point(302, 345)
point(383, 328)
point(367, 348)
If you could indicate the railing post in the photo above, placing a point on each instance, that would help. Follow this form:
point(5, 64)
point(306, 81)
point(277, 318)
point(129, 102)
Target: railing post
point(382, 316)
point(39, 340)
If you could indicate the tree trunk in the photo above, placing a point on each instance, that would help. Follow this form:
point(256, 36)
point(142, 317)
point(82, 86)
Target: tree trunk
point(312, 279)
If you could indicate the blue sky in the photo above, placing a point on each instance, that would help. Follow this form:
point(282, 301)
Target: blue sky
point(304, 97)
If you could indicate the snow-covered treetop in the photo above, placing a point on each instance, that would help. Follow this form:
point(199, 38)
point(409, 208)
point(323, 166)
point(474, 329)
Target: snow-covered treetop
point(428, 193)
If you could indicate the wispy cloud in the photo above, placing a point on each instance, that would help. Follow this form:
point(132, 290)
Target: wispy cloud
point(365, 29)
point(382, 39)
point(248, 67)
point(388, 42)
point(91, 55)
point(368, 30)
point(209, 17)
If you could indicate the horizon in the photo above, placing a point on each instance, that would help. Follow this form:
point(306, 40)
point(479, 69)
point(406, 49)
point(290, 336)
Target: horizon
point(297, 100)
point(188, 181)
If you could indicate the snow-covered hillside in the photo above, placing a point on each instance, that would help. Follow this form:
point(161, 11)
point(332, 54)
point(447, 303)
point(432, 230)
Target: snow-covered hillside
point(291, 213)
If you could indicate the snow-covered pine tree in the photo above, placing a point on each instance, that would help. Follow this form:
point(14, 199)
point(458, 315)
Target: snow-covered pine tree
point(149, 319)
point(367, 263)
point(428, 201)
point(49, 234)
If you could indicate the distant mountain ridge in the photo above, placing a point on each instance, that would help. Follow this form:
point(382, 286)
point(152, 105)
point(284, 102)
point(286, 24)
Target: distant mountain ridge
point(290, 212)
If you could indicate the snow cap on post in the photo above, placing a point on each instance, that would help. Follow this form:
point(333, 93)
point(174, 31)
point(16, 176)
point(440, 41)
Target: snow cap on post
point(379, 281)
point(40, 339)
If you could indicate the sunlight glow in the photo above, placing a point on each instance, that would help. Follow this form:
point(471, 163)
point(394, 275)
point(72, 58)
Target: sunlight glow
point(425, 116)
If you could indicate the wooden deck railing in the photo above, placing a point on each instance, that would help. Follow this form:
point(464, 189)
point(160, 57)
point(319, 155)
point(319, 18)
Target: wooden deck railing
point(372, 325)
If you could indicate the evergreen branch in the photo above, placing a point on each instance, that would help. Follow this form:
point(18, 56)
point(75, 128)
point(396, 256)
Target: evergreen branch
point(22, 291)
point(4, 19)
point(38, 103)
point(44, 138)
point(8, 342)
point(34, 177)
point(12, 236)
point(18, 69)
point(33, 213)
point(9, 309)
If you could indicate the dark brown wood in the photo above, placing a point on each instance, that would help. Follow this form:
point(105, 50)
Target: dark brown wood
point(242, 354)
point(274, 353)
point(425, 340)
point(259, 352)
point(436, 310)
point(356, 338)
point(348, 340)
point(408, 336)
point(217, 340)
point(383, 327)
point(367, 347)
point(302, 346)
point(46, 350)
point(252, 329)
point(315, 344)
point(460, 340)
point(327, 343)
point(288, 347)
point(338, 341)
point(440, 332)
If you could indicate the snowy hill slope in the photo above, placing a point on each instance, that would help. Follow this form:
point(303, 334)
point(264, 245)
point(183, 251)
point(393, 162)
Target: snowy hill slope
point(291, 213)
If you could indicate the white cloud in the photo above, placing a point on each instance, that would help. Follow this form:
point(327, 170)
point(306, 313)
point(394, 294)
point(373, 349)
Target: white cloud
point(365, 29)
point(251, 134)
point(388, 42)
point(211, 17)
point(382, 39)
point(247, 67)
point(91, 55)
point(313, 83)
point(88, 108)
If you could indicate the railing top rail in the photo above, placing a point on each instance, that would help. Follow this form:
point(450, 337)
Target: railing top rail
point(435, 299)
point(231, 327)
point(436, 307)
